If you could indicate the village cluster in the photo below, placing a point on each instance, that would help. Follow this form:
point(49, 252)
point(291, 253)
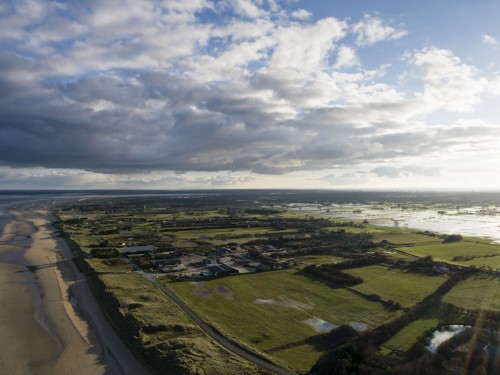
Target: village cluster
point(217, 262)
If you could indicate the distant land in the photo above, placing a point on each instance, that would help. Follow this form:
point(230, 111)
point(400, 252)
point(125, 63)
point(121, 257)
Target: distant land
point(348, 195)
point(250, 281)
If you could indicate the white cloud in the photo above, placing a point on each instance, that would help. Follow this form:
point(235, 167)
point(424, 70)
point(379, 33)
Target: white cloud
point(448, 83)
point(346, 57)
point(30, 178)
point(245, 8)
point(488, 39)
point(494, 86)
point(232, 63)
point(220, 180)
point(350, 178)
point(372, 30)
point(150, 86)
point(399, 172)
point(304, 49)
point(301, 14)
point(243, 30)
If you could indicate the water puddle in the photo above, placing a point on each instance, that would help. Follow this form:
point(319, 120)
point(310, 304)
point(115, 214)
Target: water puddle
point(359, 326)
point(320, 325)
point(443, 334)
point(260, 301)
point(224, 291)
point(284, 302)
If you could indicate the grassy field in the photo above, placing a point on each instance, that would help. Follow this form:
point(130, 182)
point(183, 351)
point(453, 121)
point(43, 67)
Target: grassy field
point(401, 236)
point(230, 232)
point(295, 355)
point(396, 236)
point(84, 239)
point(407, 288)
point(319, 259)
point(396, 255)
point(433, 319)
point(158, 326)
point(267, 310)
point(480, 291)
point(488, 262)
point(446, 252)
point(404, 339)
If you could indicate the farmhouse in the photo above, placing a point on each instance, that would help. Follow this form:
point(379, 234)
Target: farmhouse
point(166, 262)
point(242, 261)
point(221, 269)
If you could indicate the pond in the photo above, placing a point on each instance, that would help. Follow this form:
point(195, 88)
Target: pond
point(444, 333)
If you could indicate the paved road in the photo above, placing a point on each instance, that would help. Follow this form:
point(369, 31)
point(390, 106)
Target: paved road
point(209, 330)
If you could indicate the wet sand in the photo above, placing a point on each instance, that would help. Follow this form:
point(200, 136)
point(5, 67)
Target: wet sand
point(26, 345)
point(41, 330)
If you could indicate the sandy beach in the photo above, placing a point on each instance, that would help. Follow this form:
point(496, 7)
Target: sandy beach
point(49, 321)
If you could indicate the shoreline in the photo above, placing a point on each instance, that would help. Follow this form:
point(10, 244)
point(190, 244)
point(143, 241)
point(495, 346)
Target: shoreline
point(85, 342)
point(83, 302)
point(47, 333)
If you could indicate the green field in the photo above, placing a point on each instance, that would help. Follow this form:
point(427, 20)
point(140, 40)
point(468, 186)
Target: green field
point(446, 252)
point(156, 327)
point(431, 320)
point(227, 233)
point(279, 314)
point(480, 291)
point(319, 259)
point(486, 262)
point(407, 288)
point(267, 310)
point(401, 236)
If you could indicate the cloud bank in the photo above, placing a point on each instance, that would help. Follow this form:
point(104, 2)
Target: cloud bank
point(236, 85)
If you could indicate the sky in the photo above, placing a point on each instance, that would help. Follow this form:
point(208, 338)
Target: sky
point(359, 94)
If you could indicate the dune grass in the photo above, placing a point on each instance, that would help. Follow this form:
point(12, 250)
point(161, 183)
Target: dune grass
point(157, 329)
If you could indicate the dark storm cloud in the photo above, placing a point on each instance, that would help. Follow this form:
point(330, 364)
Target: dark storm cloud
point(145, 86)
point(159, 121)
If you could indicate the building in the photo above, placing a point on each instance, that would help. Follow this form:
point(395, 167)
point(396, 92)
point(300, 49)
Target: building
point(221, 270)
point(139, 249)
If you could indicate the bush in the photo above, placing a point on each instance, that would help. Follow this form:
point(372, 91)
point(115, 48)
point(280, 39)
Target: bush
point(329, 273)
point(104, 252)
point(452, 238)
point(416, 351)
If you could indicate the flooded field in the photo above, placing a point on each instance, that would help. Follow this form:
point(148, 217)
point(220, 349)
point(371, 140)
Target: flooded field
point(468, 221)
